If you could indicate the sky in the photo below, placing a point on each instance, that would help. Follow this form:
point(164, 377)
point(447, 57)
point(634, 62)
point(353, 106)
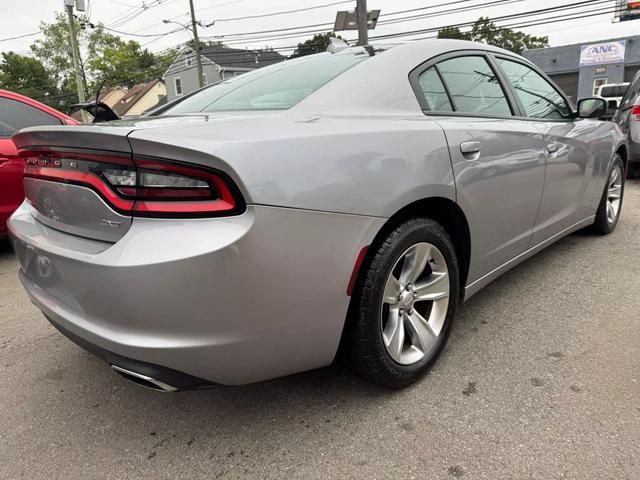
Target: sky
point(23, 17)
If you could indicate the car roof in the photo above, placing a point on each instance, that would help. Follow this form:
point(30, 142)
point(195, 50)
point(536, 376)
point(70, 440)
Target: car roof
point(36, 104)
point(386, 77)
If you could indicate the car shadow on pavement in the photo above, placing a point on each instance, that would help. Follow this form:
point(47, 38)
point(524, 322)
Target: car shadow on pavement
point(311, 400)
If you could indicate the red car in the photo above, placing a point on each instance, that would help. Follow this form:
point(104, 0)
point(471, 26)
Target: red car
point(16, 112)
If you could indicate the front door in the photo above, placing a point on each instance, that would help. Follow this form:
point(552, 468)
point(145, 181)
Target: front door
point(569, 188)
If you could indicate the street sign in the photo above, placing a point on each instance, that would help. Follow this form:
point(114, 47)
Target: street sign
point(346, 20)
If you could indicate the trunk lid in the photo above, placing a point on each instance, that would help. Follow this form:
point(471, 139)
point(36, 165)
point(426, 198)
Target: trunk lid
point(70, 172)
point(57, 158)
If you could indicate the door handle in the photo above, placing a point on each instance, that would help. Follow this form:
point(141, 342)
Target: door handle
point(553, 148)
point(468, 148)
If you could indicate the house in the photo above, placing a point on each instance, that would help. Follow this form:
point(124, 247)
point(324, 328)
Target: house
point(111, 96)
point(218, 63)
point(141, 98)
point(133, 101)
point(581, 68)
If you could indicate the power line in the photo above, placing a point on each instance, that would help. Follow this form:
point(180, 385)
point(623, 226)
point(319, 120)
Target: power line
point(21, 36)
point(291, 35)
point(383, 22)
point(534, 22)
point(271, 14)
point(208, 8)
point(501, 18)
point(162, 34)
point(549, 20)
point(283, 12)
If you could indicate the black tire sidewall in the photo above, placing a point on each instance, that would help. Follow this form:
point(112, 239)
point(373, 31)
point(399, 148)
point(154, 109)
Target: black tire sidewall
point(601, 224)
point(369, 322)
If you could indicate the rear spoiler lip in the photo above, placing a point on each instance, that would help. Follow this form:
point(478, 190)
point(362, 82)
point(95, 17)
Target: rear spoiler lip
point(94, 137)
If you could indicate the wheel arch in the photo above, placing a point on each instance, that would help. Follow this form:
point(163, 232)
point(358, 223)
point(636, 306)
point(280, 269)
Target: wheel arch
point(622, 151)
point(439, 209)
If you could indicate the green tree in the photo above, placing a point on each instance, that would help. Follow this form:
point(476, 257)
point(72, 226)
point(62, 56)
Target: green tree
point(27, 75)
point(452, 32)
point(54, 50)
point(317, 44)
point(106, 59)
point(114, 61)
point(485, 31)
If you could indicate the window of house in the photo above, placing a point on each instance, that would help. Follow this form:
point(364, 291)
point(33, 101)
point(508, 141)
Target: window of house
point(597, 83)
point(474, 87)
point(538, 97)
point(189, 61)
point(178, 84)
point(434, 91)
point(15, 115)
point(205, 80)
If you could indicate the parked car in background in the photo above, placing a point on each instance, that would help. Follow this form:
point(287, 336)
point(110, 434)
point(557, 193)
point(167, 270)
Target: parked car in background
point(16, 112)
point(352, 198)
point(612, 94)
point(627, 116)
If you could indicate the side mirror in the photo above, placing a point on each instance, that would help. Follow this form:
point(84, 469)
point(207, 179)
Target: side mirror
point(592, 107)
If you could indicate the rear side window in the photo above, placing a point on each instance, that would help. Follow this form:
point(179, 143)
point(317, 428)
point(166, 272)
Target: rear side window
point(434, 91)
point(613, 91)
point(474, 87)
point(15, 115)
point(538, 97)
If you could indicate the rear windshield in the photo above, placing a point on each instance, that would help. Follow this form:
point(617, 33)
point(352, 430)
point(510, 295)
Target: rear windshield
point(276, 87)
point(612, 91)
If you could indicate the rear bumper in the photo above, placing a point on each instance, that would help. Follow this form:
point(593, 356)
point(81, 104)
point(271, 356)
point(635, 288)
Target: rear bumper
point(168, 376)
point(231, 301)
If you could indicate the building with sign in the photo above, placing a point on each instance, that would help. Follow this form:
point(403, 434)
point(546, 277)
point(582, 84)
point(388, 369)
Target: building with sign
point(581, 68)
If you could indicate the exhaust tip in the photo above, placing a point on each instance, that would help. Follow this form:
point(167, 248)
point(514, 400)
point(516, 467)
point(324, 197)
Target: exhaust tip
point(144, 380)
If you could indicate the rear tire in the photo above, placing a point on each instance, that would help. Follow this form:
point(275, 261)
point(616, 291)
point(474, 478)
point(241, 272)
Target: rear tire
point(404, 304)
point(610, 206)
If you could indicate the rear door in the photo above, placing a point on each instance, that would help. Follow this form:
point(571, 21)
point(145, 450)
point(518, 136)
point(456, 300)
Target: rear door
point(570, 156)
point(498, 160)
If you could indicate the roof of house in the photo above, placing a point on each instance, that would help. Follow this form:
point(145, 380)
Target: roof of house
point(104, 92)
point(240, 58)
point(134, 94)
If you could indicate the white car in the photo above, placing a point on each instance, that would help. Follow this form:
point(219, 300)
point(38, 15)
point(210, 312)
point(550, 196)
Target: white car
point(613, 93)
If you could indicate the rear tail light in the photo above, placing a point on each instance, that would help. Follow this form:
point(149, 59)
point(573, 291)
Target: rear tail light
point(141, 187)
point(635, 112)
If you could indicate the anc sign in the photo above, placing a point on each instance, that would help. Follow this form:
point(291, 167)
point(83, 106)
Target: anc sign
point(602, 53)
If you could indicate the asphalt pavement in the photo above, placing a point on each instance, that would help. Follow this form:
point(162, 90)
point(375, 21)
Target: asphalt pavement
point(540, 380)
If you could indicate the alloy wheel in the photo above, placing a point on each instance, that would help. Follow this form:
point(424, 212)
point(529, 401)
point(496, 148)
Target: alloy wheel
point(415, 302)
point(614, 194)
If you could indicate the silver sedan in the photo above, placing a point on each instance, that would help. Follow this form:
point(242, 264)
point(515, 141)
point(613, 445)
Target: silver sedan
point(351, 199)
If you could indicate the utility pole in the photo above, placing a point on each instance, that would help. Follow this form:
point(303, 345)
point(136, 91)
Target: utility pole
point(68, 5)
point(196, 44)
point(362, 18)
